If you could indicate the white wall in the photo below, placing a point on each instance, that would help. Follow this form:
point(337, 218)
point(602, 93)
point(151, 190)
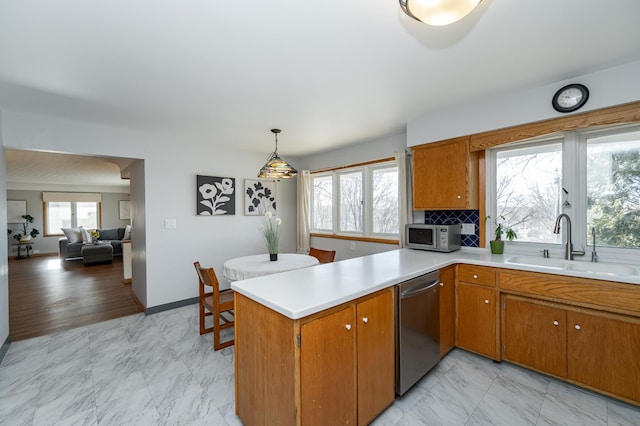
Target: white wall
point(168, 172)
point(367, 151)
point(612, 86)
point(4, 264)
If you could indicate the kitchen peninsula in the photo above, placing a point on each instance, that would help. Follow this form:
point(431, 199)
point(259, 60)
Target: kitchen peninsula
point(293, 366)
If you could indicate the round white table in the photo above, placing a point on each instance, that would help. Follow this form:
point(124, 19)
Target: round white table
point(258, 265)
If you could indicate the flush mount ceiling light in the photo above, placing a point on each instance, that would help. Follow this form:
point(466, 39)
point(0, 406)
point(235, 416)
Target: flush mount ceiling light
point(438, 12)
point(276, 167)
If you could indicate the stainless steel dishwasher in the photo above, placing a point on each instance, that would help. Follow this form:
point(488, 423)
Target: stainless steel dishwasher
point(417, 329)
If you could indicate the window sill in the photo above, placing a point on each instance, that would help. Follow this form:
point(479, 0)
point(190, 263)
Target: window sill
point(352, 238)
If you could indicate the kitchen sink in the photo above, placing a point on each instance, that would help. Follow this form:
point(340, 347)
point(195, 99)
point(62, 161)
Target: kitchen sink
point(602, 268)
point(538, 261)
point(568, 265)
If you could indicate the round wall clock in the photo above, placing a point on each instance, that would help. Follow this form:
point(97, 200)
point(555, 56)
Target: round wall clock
point(570, 98)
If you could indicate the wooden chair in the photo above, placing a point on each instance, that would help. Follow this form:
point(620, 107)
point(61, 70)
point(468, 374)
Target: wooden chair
point(324, 256)
point(214, 302)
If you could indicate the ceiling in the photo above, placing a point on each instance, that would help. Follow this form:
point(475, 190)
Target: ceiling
point(328, 72)
point(35, 170)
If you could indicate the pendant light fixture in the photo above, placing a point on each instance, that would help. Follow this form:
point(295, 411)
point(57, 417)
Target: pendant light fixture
point(276, 167)
point(438, 12)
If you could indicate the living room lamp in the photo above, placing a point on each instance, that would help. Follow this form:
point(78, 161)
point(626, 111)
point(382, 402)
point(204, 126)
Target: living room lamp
point(438, 12)
point(276, 167)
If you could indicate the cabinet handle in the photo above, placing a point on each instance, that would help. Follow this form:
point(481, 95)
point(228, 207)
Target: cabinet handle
point(348, 327)
point(475, 277)
point(459, 196)
point(556, 323)
point(578, 327)
point(365, 320)
point(486, 301)
point(441, 284)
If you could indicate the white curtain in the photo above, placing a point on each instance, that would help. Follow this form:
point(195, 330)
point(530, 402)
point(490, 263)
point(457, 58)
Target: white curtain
point(304, 197)
point(404, 192)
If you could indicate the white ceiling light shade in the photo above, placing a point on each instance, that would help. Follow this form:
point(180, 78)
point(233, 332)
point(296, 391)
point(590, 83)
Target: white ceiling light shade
point(276, 167)
point(438, 12)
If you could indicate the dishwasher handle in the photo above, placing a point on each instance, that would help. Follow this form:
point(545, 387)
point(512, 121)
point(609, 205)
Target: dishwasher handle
point(419, 289)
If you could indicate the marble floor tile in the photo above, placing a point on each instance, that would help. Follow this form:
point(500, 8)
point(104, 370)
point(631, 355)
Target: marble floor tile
point(158, 370)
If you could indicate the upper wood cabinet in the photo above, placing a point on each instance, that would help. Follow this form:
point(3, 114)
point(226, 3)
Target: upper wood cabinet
point(445, 176)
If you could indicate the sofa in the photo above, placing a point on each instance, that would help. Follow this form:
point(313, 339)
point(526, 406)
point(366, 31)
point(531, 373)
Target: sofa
point(70, 246)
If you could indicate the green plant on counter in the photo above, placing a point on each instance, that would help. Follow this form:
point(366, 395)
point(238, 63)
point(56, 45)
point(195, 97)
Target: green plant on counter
point(497, 245)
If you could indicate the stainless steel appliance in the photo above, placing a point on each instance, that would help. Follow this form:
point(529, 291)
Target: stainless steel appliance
point(444, 238)
point(417, 329)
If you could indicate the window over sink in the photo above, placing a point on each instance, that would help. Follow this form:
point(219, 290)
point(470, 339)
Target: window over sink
point(592, 175)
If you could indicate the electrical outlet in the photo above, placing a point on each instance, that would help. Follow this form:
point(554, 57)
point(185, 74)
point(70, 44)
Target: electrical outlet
point(468, 229)
point(170, 224)
point(353, 245)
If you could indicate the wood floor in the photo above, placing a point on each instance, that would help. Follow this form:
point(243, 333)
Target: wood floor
point(47, 295)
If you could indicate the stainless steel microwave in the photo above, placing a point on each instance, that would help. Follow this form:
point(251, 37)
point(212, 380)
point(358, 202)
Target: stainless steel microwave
point(444, 238)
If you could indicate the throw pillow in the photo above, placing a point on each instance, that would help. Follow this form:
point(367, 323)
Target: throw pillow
point(86, 238)
point(127, 233)
point(74, 235)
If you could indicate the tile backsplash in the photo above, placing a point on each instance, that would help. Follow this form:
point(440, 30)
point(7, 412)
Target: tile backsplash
point(449, 217)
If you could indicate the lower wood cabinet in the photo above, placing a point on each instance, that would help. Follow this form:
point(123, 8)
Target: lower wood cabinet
point(476, 319)
point(604, 352)
point(534, 334)
point(447, 310)
point(334, 367)
point(592, 348)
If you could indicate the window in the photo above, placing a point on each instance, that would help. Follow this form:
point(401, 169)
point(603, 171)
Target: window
point(356, 201)
point(528, 188)
point(70, 210)
point(70, 214)
point(613, 189)
point(593, 176)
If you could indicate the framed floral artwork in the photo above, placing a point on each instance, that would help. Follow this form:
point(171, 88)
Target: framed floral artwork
point(215, 195)
point(259, 197)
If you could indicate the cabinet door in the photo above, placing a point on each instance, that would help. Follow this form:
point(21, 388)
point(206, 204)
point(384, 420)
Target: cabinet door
point(476, 319)
point(604, 352)
point(447, 310)
point(535, 335)
point(328, 369)
point(440, 176)
point(376, 356)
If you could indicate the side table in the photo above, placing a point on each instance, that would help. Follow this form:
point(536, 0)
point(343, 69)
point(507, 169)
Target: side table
point(28, 248)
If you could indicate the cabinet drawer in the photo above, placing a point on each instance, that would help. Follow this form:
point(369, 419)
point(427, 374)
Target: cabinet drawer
point(477, 275)
point(616, 297)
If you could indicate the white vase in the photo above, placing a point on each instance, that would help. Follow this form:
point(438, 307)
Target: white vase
point(25, 239)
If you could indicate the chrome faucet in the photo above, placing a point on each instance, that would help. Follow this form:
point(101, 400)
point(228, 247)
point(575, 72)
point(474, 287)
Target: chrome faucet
point(569, 252)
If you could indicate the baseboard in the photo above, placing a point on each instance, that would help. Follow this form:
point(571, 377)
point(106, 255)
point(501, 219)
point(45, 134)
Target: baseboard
point(138, 302)
point(32, 255)
point(172, 305)
point(5, 347)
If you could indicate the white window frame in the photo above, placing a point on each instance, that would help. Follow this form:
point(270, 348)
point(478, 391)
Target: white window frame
point(367, 201)
point(574, 154)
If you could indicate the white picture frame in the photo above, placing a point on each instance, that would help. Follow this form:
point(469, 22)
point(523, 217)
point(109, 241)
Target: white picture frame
point(259, 197)
point(124, 209)
point(15, 210)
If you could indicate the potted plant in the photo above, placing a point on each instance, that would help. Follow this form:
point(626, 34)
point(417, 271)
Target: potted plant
point(497, 244)
point(271, 232)
point(26, 235)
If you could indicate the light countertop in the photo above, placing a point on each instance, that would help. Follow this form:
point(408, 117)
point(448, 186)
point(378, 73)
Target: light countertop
point(299, 293)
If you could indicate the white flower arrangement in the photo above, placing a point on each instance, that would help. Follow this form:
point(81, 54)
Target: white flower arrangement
point(271, 231)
